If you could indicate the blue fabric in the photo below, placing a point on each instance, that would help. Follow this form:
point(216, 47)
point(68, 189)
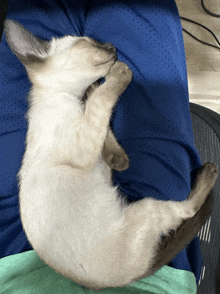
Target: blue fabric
point(152, 119)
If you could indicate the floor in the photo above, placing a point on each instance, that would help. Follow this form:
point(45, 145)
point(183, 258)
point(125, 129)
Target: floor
point(203, 62)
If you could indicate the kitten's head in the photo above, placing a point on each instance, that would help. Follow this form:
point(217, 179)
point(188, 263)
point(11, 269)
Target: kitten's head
point(63, 63)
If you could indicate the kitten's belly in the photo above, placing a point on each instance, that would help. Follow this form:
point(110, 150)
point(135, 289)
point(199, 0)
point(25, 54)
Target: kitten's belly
point(65, 219)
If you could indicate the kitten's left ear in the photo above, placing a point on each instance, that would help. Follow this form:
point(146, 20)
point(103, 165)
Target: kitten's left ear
point(27, 47)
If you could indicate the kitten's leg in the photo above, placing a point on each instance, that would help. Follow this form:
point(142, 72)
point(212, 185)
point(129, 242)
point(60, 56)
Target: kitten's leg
point(183, 218)
point(137, 244)
point(174, 242)
point(99, 106)
point(113, 154)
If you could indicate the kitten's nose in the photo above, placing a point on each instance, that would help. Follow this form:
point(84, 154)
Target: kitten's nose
point(109, 46)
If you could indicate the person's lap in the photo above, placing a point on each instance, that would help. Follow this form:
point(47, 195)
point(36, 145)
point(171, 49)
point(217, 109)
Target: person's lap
point(152, 119)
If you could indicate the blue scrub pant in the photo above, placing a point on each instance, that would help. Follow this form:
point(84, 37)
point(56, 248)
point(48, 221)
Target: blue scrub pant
point(152, 118)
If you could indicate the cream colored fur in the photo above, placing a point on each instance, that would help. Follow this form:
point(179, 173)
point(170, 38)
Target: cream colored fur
point(71, 213)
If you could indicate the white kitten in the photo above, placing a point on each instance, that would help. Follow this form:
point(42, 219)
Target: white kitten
point(73, 216)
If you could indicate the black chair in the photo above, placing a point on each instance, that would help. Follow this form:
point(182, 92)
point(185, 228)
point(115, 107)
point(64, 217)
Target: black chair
point(206, 127)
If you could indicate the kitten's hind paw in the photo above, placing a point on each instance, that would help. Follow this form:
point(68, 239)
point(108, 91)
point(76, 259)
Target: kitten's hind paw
point(206, 177)
point(117, 160)
point(204, 182)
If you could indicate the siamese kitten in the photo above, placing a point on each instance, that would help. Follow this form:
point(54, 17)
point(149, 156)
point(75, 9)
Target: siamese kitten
point(72, 214)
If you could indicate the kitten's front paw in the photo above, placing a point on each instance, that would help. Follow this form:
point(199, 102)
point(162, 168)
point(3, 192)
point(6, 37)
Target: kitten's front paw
point(119, 77)
point(118, 162)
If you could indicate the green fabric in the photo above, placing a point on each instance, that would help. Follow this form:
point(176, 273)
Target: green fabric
point(25, 273)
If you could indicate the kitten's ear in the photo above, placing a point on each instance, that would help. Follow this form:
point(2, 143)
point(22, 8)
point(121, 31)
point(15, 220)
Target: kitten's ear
point(27, 47)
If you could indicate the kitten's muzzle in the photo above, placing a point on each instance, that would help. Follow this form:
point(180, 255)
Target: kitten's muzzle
point(109, 46)
point(105, 45)
point(112, 57)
